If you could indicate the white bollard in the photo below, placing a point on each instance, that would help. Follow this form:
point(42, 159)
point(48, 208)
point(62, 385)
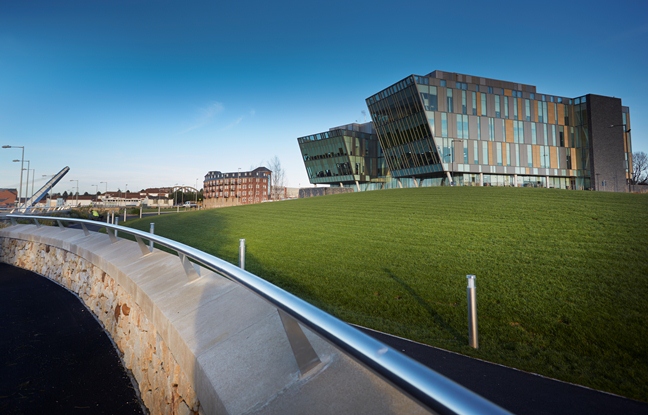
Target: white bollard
point(242, 253)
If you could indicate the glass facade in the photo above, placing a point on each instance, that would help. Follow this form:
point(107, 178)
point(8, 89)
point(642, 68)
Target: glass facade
point(525, 137)
point(447, 128)
point(405, 133)
point(346, 155)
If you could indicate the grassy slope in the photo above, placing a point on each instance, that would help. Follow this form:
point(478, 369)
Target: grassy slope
point(561, 275)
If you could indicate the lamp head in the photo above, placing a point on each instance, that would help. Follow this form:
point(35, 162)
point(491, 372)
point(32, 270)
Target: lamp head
point(16, 161)
point(6, 146)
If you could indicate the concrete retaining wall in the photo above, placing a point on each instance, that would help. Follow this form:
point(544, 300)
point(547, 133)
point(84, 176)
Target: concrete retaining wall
point(208, 346)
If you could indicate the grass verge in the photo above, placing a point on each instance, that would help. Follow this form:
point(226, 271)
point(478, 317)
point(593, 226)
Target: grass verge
point(561, 275)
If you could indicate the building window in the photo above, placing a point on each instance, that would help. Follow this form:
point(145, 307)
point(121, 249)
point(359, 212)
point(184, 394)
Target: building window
point(491, 129)
point(534, 135)
point(474, 103)
point(497, 106)
point(462, 126)
point(430, 99)
point(476, 152)
point(444, 124)
point(464, 107)
point(507, 147)
point(498, 153)
point(515, 108)
point(544, 157)
point(527, 110)
point(483, 104)
point(449, 100)
point(506, 113)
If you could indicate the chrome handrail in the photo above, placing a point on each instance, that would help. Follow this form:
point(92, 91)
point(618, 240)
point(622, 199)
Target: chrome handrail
point(431, 389)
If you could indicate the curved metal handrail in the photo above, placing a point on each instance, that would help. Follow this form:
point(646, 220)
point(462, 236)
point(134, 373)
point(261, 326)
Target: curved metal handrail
point(431, 389)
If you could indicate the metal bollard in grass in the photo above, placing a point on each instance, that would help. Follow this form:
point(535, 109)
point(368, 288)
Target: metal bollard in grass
point(152, 231)
point(473, 340)
point(242, 253)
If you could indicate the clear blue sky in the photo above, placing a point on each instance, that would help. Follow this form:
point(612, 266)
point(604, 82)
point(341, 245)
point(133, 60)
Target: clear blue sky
point(154, 93)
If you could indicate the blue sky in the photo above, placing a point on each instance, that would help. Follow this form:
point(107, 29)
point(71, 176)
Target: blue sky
point(154, 93)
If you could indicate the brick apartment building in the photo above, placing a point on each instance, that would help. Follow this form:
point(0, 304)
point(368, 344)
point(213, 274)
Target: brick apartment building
point(236, 188)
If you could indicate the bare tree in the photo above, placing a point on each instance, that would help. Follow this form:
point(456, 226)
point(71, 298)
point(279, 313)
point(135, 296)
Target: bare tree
point(639, 168)
point(278, 179)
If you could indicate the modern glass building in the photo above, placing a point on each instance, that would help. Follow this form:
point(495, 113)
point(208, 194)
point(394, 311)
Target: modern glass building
point(447, 128)
point(346, 156)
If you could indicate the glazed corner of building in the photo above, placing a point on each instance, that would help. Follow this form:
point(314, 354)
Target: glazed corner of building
point(446, 128)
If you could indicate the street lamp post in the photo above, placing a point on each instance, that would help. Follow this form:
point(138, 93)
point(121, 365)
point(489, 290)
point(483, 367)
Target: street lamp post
point(21, 169)
point(96, 190)
point(27, 181)
point(77, 191)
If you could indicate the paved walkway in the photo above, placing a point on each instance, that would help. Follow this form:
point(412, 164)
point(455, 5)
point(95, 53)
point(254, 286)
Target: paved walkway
point(56, 359)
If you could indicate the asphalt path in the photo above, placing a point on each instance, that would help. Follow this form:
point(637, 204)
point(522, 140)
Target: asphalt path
point(55, 357)
point(519, 392)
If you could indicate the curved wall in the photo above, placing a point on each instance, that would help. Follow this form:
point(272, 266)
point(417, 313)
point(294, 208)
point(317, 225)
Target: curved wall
point(207, 346)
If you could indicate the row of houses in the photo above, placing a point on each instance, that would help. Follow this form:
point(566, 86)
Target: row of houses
point(152, 197)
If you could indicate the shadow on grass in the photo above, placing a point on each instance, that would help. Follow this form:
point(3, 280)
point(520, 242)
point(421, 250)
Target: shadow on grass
point(444, 325)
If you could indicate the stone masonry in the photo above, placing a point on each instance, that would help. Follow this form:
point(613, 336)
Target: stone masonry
point(163, 386)
point(204, 345)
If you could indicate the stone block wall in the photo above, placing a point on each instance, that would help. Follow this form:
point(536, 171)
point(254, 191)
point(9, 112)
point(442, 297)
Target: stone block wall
point(163, 386)
point(205, 345)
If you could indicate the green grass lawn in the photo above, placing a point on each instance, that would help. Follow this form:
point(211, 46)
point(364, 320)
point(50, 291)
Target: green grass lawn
point(561, 275)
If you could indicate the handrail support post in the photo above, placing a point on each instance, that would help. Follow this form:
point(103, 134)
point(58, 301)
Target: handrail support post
point(302, 349)
point(191, 269)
